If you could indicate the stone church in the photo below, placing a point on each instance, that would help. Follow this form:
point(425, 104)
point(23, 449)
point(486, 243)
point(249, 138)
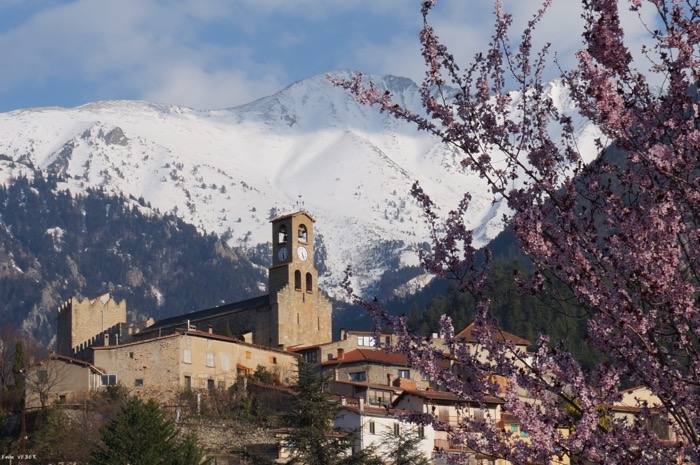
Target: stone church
point(293, 313)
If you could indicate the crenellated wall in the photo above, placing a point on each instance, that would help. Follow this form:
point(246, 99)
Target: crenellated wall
point(83, 323)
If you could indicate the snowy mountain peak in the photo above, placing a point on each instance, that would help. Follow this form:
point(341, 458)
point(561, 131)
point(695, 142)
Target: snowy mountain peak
point(229, 171)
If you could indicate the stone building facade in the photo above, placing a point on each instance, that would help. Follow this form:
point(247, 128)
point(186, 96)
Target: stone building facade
point(163, 367)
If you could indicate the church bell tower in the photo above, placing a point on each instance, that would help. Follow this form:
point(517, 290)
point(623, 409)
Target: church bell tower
point(302, 314)
point(293, 253)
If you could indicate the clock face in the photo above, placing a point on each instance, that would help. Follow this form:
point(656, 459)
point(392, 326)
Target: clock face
point(302, 253)
point(282, 254)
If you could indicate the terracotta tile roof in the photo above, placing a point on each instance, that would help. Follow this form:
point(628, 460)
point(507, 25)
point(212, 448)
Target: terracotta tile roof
point(499, 335)
point(289, 215)
point(441, 396)
point(301, 348)
point(373, 411)
point(369, 355)
point(71, 360)
point(369, 385)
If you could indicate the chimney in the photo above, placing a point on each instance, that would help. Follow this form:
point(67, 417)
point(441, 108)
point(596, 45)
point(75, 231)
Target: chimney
point(341, 353)
point(210, 329)
point(106, 339)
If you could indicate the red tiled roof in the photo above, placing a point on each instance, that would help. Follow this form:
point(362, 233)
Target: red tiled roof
point(498, 334)
point(369, 355)
point(368, 385)
point(74, 361)
point(301, 348)
point(443, 396)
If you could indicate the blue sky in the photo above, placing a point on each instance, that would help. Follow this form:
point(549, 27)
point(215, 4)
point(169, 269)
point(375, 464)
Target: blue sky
point(209, 54)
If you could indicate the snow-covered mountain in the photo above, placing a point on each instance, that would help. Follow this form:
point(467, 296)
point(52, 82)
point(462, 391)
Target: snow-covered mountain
point(229, 171)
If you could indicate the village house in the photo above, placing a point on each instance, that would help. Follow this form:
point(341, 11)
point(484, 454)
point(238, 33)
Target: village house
point(165, 366)
point(375, 367)
point(450, 410)
point(377, 427)
point(316, 354)
point(61, 378)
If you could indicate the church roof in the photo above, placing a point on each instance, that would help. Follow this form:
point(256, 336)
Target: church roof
point(304, 212)
point(193, 317)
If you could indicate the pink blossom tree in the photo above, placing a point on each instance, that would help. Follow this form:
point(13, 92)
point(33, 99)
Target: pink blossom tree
point(621, 232)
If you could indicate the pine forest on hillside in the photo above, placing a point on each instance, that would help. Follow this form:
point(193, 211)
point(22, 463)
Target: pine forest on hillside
point(54, 246)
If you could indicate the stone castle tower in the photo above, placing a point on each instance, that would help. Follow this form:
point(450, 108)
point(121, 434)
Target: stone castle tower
point(88, 322)
point(300, 315)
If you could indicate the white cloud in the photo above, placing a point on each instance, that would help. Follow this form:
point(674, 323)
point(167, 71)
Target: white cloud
point(213, 53)
point(192, 87)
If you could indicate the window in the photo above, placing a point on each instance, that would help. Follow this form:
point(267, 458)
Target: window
point(312, 357)
point(309, 282)
point(210, 384)
point(405, 374)
point(273, 360)
point(210, 359)
point(297, 280)
point(108, 380)
point(421, 432)
point(376, 397)
point(221, 385)
point(138, 382)
point(131, 355)
point(210, 343)
point(358, 376)
point(367, 341)
point(188, 383)
point(523, 434)
point(397, 429)
point(303, 237)
point(372, 428)
point(225, 362)
point(42, 376)
point(187, 356)
point(513, 428)
point(248, 354)
point(282, 234)
point(425, 377)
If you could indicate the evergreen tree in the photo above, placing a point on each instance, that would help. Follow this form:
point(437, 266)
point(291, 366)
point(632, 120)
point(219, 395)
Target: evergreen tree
point(142, 434)
point(312, 439)
point(404, 448)
point(20, 364)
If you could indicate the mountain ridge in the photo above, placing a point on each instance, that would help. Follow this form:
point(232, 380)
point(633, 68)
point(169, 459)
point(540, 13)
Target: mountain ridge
point(229, 171)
